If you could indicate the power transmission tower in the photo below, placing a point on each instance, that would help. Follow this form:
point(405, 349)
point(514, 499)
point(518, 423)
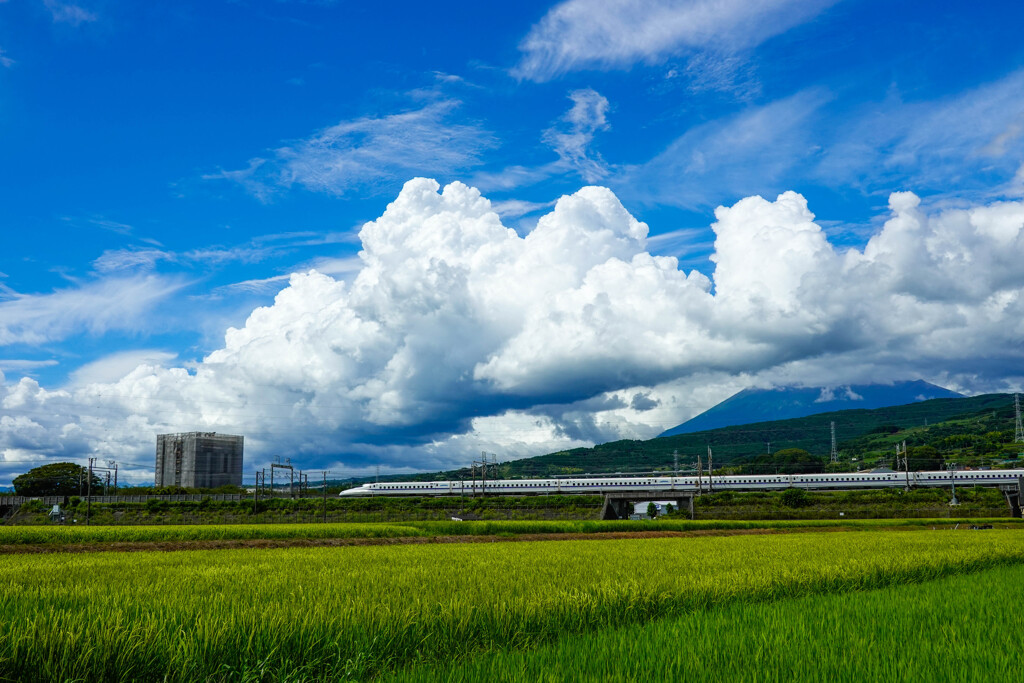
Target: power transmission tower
point(675, 462)
point(1019, 435)
point(834, 455)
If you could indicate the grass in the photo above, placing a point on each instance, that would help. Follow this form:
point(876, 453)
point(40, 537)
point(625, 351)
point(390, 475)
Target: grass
point(312, 509)
point(963, 628)
point(337, 613)
point(68, 535)
point(98, 535)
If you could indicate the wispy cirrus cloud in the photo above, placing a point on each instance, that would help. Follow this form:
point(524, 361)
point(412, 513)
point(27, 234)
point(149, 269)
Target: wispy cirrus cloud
point(368, 153)
point(255, 250)
point(571, 138)
point(134, 259)
point(114, 366)
point(69, 13)
point(973, 137)
point(115, 303)
point(746, 153)
point(615, 34)
point(24, 365)
point(971, 140)
point(336, 267)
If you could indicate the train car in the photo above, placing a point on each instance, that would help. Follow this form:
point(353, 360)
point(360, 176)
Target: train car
point(754, 482)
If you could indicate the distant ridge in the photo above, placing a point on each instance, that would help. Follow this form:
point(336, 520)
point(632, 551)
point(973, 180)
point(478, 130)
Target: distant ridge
point(766, 405)
point(987, 413)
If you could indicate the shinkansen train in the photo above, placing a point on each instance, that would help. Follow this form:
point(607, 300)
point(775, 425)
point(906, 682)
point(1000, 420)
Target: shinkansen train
point(753, 482)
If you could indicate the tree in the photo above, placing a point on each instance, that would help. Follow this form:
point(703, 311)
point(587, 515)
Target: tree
point(652, 510)
point(55, 479)
point(925, 459)
point(885, 429)
point(785, 461)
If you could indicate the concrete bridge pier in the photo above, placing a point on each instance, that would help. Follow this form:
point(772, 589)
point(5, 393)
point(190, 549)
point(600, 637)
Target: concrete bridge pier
point(1013, 497)
point(619, 505)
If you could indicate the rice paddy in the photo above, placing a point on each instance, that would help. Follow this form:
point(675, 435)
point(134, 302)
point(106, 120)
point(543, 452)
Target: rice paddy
point(67, 535)
point(963, 628)
point(361, 612)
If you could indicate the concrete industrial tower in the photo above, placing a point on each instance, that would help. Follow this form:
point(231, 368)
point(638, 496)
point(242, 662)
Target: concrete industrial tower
point(199, 460)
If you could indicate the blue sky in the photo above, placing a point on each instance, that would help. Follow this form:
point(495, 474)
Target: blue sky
point(167, 166)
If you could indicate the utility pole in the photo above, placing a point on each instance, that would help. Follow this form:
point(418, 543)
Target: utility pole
point(675, 462)
point(834, 455)
point(952, 482)
point(700, 485)
point(325, 496)
point(483, 471)
point(906, 463)
point(1019, 433)
point(291, 476)
point(711, 470)
point(88, 493)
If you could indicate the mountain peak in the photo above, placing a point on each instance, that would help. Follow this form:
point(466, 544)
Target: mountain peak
point(782, 403)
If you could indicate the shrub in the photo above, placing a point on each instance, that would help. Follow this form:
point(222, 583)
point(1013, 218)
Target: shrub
point(795, 498)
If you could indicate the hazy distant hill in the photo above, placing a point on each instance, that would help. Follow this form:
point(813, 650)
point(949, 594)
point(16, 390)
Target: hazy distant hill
point(763, 405)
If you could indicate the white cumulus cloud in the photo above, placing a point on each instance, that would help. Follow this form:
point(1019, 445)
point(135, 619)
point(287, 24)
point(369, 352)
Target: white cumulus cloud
point(456, 335)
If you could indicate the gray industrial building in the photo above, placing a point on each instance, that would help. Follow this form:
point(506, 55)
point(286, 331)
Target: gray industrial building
point(198, 460)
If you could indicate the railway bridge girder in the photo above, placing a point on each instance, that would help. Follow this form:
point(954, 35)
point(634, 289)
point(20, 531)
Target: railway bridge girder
point(619, 504)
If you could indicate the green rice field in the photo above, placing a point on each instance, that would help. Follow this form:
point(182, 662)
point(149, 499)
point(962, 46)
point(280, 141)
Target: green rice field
point(354, 613)
point(63, 535)
point(962, 628)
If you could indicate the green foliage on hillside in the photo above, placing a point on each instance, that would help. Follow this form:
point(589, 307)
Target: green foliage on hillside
point(963, 431)
point(786, 461)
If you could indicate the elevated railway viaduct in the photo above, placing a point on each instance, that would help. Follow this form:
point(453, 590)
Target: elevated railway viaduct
point(621, 492)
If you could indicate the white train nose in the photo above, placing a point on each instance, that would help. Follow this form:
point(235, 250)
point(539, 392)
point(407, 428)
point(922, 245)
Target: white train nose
point(357, 491)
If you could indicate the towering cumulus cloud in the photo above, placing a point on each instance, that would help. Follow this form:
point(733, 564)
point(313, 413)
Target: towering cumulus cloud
point(457, 334)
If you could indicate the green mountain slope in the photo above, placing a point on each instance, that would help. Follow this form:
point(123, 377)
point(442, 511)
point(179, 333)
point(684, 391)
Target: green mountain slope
point(920, 424)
